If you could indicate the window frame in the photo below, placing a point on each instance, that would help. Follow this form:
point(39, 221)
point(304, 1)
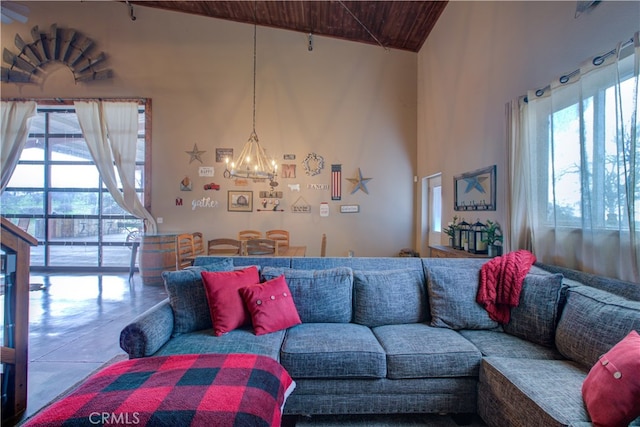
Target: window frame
point(47, 190)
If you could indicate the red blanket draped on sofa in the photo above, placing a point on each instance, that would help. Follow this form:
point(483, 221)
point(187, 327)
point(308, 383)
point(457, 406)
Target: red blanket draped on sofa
point(501, 282)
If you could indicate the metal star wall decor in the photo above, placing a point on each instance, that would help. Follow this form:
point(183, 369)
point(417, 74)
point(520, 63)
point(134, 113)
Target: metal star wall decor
point(360, 183)
point(195, 154)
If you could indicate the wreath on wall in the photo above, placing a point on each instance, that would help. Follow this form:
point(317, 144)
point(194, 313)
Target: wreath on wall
point(313, 164)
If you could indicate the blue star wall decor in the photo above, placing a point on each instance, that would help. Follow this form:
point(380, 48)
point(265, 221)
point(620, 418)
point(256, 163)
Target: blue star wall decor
point(476, 190)
point(477, 183)
point(360, 183)
point(195, 154)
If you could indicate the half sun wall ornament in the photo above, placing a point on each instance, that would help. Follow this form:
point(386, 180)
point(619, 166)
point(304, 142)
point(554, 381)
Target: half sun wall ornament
point(65, 46)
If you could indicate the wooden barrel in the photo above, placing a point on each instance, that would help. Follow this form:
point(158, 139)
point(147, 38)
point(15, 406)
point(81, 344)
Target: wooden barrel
point(157, 254)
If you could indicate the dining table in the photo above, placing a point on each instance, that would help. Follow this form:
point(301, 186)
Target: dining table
point(292, 251)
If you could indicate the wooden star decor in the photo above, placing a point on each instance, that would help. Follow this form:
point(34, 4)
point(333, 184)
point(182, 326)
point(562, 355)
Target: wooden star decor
point(195, 154)
point(360, 182)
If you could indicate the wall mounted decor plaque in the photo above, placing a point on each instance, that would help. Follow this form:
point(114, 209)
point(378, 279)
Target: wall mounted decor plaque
point(240, 201)
point(475, 191)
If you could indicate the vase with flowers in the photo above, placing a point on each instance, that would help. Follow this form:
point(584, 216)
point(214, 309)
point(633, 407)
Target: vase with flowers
point(494, 238)
point(450, 230)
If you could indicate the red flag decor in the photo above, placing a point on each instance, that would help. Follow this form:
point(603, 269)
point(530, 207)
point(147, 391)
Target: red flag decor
point(336, 182)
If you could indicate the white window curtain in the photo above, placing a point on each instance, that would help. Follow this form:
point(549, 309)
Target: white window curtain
point(111, 132)
point(16, 118)
point(574, 167)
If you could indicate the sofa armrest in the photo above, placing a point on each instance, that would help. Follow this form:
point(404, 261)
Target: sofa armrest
point(148, 332)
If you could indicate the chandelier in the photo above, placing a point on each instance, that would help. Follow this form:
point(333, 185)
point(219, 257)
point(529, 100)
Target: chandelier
point(252, 163)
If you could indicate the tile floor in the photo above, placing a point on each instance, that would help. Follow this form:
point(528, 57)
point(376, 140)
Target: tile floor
point(74, 327)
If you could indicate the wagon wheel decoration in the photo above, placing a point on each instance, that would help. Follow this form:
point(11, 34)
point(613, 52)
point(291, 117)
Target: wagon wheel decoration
point(313, 164)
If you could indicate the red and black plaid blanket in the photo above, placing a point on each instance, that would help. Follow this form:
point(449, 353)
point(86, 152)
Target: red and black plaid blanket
point(184, 390)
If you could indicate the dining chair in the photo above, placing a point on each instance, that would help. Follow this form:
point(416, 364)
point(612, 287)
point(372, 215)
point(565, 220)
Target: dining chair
point(323, 246)
point(224, 247)
point(249, 234)
point(23, 223)
point(198, 244)
point(254, 247)
point(184, 251)
point(280, 236)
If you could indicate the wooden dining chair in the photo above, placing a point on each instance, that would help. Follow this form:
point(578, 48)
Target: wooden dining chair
point(323, 246)
point(261, 247)
point(249, 234)
point(224, 247)
point(184, 251)
point(280, 236)
point(198, 244)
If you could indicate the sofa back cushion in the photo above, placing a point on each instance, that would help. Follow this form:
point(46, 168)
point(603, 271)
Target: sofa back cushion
point(187, 296)
point(452, 299)
point(321, 296)
point(389, 297)
point(536, 316)
point(592, 322)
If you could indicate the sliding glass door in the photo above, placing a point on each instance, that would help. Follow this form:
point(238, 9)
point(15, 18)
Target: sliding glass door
point(56, 194)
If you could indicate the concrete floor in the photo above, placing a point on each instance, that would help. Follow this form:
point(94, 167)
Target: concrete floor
point(74, 328)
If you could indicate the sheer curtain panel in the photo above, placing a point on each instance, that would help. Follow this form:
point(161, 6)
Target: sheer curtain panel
point(575, 167)
point(111, 132)
point(16, 117)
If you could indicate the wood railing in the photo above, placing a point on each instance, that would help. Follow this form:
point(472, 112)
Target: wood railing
point(16, 247)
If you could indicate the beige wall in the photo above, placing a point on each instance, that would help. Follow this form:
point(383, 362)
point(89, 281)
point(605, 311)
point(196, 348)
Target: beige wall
point(351, 103)
point(482, 54)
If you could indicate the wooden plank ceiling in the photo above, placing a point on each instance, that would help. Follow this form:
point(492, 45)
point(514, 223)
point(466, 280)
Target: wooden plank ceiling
point(395, 24)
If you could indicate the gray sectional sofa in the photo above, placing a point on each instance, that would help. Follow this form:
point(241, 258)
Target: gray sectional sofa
point(405, 335)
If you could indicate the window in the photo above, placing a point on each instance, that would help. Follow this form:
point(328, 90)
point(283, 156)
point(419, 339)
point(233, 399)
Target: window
point(575, 167)
point(586, 173)
point(56, 194)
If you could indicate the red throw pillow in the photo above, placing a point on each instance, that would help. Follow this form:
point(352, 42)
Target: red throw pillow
point(271, 306)
point(225, 303)
point(611, 391)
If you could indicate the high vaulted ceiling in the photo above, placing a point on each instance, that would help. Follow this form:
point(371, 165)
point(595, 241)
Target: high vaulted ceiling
point(393, 24)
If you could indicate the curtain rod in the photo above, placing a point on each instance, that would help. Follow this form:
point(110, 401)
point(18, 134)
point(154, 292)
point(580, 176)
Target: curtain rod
point(597, 61)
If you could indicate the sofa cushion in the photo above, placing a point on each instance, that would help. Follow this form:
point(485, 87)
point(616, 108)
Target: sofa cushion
point(497, 343)
point(592, 322)
point(536, 316)
point(389, 297)
point(418, 350)
point(320, 295)
point(187, 296)
point(612, 388)
point(452, 299)
point(513, 392)
point(226, 306)
point(271, 306)
point(241, 340)
point(332, 350)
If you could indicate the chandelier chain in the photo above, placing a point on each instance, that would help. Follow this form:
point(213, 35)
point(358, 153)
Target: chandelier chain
point(254, 77)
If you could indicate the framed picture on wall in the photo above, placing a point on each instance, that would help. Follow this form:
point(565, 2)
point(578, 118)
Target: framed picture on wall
point(240, 201)
point(475, 191)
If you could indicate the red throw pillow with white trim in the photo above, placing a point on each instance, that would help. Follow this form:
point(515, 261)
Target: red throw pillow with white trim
point(611, 390)
point(226, 307)
point(271, 306)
